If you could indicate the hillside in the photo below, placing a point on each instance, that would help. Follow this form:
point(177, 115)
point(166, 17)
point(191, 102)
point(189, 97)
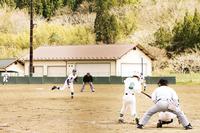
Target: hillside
point(66, 27)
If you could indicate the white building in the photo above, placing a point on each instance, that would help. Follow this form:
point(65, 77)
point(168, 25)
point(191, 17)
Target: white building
point(99, 60)
point(12, 67)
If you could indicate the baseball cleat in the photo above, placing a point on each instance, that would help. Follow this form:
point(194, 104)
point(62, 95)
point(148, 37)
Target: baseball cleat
point(137, 121)
point(189, 126)
point(140, 126)
point(159, 124)
point(121, 120)
point(54, 87)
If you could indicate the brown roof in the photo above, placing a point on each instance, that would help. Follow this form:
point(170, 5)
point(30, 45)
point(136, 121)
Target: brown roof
point(4, 63)
point(82, 52)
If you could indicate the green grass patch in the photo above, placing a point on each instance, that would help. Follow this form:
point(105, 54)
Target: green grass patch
point(183, 79)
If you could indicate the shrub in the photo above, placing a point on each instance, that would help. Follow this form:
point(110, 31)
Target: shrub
point(186, 63)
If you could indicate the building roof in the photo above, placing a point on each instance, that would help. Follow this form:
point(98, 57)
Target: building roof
point(6, 62)
point(83, 52)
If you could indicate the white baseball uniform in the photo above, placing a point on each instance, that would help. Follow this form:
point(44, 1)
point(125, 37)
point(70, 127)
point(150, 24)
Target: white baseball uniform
point(132, 86)
point(69, 82)
point(166, 116)
point(165, 99)
point(5, 78)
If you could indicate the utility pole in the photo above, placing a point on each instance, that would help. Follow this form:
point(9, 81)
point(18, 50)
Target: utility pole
point(31, 40)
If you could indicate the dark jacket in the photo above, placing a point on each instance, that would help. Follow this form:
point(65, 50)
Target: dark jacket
point(87, 78)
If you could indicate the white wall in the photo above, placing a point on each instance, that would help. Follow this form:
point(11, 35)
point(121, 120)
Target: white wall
point(70, 65)
point(134, 56)
point(45, 65)
point(17, 67)
point(95, 67)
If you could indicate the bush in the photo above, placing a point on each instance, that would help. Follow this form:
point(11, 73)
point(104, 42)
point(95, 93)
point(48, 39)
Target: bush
point(62, 35)
point(186, 63)
point(14, 33)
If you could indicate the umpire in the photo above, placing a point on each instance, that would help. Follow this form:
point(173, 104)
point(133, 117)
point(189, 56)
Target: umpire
point(88, 79)
point(165, 99)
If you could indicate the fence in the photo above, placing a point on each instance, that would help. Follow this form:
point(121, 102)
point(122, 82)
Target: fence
point(97, 80)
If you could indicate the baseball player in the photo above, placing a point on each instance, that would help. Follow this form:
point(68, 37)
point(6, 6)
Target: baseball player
point(132, 86)
point(69, 83)
point(165, 99)
point(5, 78)
point(88, 79)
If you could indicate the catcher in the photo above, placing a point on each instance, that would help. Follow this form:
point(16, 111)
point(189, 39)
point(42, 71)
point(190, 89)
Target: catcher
point(165, 99)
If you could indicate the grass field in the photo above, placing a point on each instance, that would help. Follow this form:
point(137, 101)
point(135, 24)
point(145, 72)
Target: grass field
point(37, 109)
point(181, 78)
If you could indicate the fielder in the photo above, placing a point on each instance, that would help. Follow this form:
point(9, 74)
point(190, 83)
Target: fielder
point(69, 83)
point(165, 99)
point(5, 78)
point(132, 86)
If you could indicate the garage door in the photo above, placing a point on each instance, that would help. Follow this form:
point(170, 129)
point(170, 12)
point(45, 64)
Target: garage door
point(56, 71)
point(129, 68)
point(98, 70)
point(38, 71)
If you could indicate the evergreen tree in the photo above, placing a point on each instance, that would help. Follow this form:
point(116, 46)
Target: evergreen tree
point(163, 37)
point(65, 2)
point(22, 3)
point(196, 27)
point(106, 26)
point(46, 9)
point(186, 34)
point(10, 3)
point(38, 7)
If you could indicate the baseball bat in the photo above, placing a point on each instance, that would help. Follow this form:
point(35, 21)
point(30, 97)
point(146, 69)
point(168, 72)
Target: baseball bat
point(146, 94)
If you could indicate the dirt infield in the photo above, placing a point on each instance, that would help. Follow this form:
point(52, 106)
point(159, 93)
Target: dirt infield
point(37, 109)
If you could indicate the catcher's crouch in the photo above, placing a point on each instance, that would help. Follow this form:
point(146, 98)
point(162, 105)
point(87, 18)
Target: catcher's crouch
point(165, 99)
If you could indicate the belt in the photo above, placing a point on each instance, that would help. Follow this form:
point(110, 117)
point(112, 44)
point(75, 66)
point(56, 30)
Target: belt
point(158, 100)
point(129, 93)
point(161, 99)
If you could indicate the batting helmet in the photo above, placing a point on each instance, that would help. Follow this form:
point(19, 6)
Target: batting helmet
point(136, 74)
point(162, 82)
point(74, 70)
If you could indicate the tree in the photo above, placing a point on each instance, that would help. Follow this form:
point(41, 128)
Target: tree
point(46, 9)
point(38, 7)
point(10, 3)
point(163, 38)
point(186, 34)
point(22, 3)
point(106, 26)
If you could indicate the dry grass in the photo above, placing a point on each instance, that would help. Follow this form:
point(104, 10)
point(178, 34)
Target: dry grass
point(36, 109)
point(152, 15)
